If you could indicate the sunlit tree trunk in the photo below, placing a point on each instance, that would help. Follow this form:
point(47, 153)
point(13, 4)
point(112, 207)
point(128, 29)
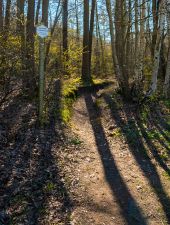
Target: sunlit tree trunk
point(167, 75)
point(122, 80)
point(160, 36)
point(101, 46)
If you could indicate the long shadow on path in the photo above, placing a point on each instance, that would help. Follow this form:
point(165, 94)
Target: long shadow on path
point(141, 156)
point(32, 178)
point(128, 206)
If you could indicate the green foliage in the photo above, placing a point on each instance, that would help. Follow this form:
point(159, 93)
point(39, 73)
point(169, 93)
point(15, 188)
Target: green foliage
point(10, 62)
point(70, 86)
point(117, 132)
point(76, 141)
point(72, 60)
point(69, 89)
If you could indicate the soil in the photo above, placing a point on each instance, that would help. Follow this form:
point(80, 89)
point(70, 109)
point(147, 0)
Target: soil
point(92, 173)
point(120, 182)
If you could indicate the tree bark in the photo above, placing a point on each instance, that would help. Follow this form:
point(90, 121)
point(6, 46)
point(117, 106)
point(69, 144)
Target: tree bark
point(1, 15)
point(45, 5)
point(29, 80)
point(160, 36)
point(65, 26)
point(122, 80)
point(37, 12)
point(77, 21)
point(167, 75)
point(7, 15)
point(91, 33)
point(155, 25)
point(20, 16)
point(85, 61)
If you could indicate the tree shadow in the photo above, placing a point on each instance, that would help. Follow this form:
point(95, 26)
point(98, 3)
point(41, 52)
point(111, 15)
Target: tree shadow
point(33, 182)
point(140, 153)
point(128, 206)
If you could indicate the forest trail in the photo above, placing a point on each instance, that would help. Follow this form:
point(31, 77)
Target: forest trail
point(119, 184)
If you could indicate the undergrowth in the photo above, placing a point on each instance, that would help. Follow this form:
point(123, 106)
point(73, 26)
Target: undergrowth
point(68, 93)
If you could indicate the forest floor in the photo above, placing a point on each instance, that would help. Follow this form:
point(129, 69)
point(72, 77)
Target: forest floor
point(106, 168)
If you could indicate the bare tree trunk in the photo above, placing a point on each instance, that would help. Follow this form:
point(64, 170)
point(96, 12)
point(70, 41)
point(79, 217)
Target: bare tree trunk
point(65, 26)
point(101, 43)
point(77, 21)
point(91, 33)
point(160, 36)
point(21, 30)
point(20, 16)
point(85, 61)
point(167, 75)
point(136, 28)
point(45, 5)
point(128, 44)
point(155, 25)
point(1, 15)
point(29, 79)
point(122, 81)
point(142, 41)
point(7, 15)
point(37, 12)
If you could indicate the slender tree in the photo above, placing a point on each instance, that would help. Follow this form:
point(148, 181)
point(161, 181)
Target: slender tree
point(65, 26)
point(167, 75)
point(157, 54)
point(85, 61)
point(7, 15)
point(29, 79)
point(1, 15)
point(37, 12)
point(91, 33)
point(45, 5)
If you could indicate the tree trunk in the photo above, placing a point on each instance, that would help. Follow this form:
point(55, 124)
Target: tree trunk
point(122, 81)
point(65, 26)
point(1, 15)
point(167, 75)
point(157, 53)
point(45, 5)
point(98, 33)
point(85, 61)
point(7, 15)
point(29, 80)
point(21, 30)
point(20, 16)
point(77, 21)
point(91, 33)
point(155, 26)
point(37, 12)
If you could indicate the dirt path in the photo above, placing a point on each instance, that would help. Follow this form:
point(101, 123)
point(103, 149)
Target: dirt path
point(118, 184)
